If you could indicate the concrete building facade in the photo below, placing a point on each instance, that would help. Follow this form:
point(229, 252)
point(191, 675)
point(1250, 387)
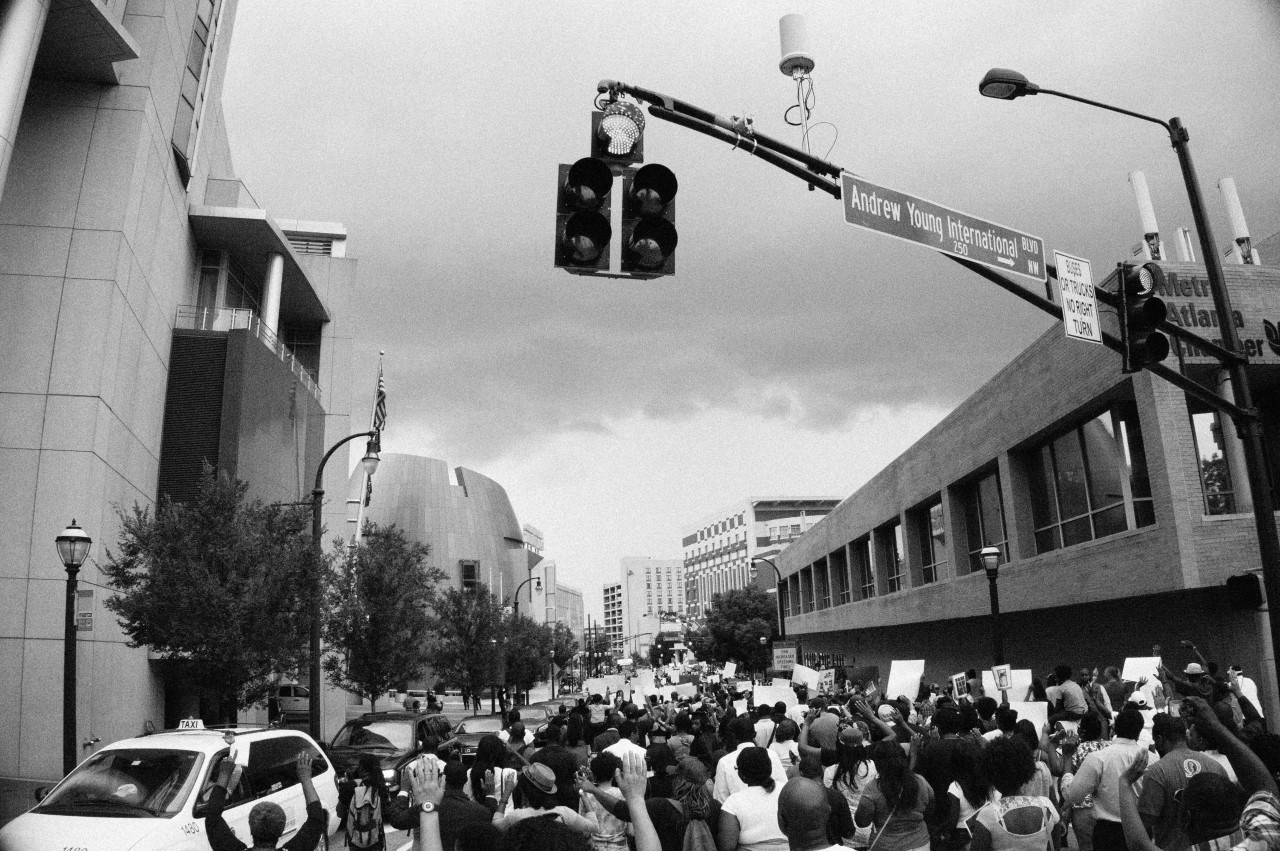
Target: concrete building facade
point(613, 615)
point(653, 591)
point(1119, 504)
point(718, 550)
point(140, 284)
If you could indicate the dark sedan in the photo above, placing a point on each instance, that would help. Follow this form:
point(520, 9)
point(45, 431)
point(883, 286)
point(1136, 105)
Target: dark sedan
point(469, 732)
point(394, 738)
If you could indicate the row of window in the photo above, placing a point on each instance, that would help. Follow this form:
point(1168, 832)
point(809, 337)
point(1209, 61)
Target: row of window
point(1084, 483)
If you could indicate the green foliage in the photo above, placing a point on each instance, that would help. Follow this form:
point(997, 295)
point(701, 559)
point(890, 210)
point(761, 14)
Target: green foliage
point(462, 642)
point(222, 587)
point(376, 613)
point(527, 650)
point(734, 627)
point(564, 647)
point(662, 650)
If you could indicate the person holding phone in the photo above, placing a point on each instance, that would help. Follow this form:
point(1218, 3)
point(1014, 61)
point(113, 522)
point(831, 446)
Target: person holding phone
point(267, 818)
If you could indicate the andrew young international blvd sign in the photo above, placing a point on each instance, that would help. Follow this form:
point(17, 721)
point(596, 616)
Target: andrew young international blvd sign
point(941, 228)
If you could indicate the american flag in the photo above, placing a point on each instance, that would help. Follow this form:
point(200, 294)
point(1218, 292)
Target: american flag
point(380, 403)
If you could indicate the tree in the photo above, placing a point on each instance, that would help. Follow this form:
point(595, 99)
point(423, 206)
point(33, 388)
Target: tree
point(462, 643)
point(564, 649)
point(377, 612)
point(527, 651)
point(738, 619)
point(221, 587)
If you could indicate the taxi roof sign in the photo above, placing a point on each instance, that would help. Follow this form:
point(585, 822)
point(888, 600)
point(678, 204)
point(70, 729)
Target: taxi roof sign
point(190, 724)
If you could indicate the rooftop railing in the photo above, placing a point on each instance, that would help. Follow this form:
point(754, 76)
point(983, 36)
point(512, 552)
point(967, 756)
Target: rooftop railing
point(194, 318)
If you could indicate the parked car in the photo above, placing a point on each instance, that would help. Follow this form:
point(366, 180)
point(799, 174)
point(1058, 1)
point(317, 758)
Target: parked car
point(293, 698)
point(394, 738)
point(152, 793)
point(469, 732)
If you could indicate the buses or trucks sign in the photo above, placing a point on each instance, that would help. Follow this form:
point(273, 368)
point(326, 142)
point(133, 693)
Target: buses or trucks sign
point(1079, 306)
point(876, 208)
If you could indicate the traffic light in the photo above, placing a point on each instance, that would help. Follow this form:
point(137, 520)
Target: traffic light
point(617, 134)
point(583, 231)
point(648, 221)
point(1141, 313)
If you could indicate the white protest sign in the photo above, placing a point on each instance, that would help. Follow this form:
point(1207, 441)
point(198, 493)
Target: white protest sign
point(643, 682)
point(805, 675)
point(744, 685)
point(1036, 712)
point(1079, 305)
point(730, 669)
point(1137, 667)
point(904, 678)
point(595, 685)
point(685, 689)
point(771, 695)
point(740, 706)
point(780, 682)
point(958, 685)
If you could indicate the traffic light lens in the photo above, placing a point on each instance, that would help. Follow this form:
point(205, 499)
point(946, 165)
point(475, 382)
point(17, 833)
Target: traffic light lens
point(1146, 282)
point(589, 181)
point(621, 125)
point(652, 241)
point(586, 235)
point(654, 184)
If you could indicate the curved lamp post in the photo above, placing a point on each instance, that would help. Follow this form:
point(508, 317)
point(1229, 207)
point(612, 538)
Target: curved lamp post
point(991, 562)
point(73, 548)
point(782, 623)
point(537, 580)
point(1004, 84)
point(370, 464)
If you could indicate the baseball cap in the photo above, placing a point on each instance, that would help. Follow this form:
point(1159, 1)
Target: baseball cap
point(885, 712)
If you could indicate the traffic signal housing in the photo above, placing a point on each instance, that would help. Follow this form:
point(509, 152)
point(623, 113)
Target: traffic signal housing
point(1141, 312)
point(583, 232)
point(649, 234)
point(617, 134)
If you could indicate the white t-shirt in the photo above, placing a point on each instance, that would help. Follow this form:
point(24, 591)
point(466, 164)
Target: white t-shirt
point(757, 814)
point(785, 750)
point(504, 783)
point(866, 772)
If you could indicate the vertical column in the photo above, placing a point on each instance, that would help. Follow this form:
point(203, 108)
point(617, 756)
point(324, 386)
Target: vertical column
point(21, 25)
point(271, 292)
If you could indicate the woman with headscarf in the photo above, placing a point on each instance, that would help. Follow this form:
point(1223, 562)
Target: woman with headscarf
point(691, 800)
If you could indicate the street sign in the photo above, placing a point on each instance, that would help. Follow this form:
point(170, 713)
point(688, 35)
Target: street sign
point(886, 211)
point(1079, 306)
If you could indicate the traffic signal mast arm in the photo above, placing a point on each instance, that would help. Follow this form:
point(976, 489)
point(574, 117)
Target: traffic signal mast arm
point(737, 133)
point(810, 168)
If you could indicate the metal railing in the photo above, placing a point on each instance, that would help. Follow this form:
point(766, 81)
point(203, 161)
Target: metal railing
point(194, 318)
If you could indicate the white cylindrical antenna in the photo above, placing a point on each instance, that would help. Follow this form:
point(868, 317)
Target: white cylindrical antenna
point(1146, 213)
point(1235, 214)
point(796, 58)
point(1186, 248)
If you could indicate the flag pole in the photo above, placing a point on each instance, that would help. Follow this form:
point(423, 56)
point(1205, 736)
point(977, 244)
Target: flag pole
point(377, 419)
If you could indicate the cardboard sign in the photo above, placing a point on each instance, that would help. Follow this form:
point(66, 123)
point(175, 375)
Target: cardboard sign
point(805, 675)
point(643, 682)
point(1037, 712)
point(959, 686)
point(904, 678)
point(1002, 677)
point(827, 681)
point(1137, 667)
point(740, 706)
point(779, 682)
point(595, 685)
point(685, 689)
point(745, 685)
point(730, 669)
point(771, 695)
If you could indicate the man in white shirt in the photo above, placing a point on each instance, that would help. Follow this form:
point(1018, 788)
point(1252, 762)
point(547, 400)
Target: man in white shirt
point(1101, 774)
point(626, 743)
point(764, 726)
point(727, 782)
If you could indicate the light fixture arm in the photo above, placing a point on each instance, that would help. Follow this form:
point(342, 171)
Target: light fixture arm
point(1167, 125)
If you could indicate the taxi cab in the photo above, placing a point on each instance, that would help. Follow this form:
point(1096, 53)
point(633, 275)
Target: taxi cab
point(152, 792)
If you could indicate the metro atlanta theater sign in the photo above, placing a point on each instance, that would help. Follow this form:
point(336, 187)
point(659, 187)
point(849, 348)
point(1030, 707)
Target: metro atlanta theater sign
point(1189, 304)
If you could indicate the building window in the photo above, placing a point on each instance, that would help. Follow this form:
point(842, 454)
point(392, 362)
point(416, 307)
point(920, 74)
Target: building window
point(191, 95)
point(1215, 477)
point(984, 519)
point(895, 563)
point(822, 585)
point(863, 569)
point(932, 540)
point(470, 575)
point(1085, 483)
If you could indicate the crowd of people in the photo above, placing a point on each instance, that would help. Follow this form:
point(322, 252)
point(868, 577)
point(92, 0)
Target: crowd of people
point(1183, 762)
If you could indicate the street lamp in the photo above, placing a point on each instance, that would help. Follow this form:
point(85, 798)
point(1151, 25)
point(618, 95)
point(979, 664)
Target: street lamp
point(782, 623)
point(1003, 84)
point(73, 548)
point(537, 580)
point(991, 561)
point(370, 464)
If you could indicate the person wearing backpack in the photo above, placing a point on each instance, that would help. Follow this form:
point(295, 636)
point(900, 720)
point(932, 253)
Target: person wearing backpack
point(363, 804)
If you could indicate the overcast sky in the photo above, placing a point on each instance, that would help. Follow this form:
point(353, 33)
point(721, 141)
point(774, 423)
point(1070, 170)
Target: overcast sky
point(792, 354)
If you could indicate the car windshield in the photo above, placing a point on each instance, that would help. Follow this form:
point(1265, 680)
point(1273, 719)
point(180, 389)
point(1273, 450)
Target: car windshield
point(395, 735)
point(479, 725)
point(127, 783)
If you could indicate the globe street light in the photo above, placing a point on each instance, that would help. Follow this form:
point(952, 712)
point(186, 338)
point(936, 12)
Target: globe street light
point(991, 561)
point(370, 464)
point(73, 548)
point(1004, 84)
point(782, 623)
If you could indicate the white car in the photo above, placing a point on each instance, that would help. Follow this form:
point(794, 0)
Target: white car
point(150, 793)
point(294, 698)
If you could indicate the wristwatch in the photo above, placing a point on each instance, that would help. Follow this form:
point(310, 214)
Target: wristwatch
point(427, 807)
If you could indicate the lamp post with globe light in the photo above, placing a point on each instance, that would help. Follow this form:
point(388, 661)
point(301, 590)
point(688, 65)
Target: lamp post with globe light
point(782, 623)
point(73, 548)
point(991, 563)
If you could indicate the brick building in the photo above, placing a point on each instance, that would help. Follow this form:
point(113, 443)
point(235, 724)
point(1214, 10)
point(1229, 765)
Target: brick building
point(1119, 504)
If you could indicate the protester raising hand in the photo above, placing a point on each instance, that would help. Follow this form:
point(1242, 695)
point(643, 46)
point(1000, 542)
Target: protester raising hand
point(427, 781)
point(632, 780)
